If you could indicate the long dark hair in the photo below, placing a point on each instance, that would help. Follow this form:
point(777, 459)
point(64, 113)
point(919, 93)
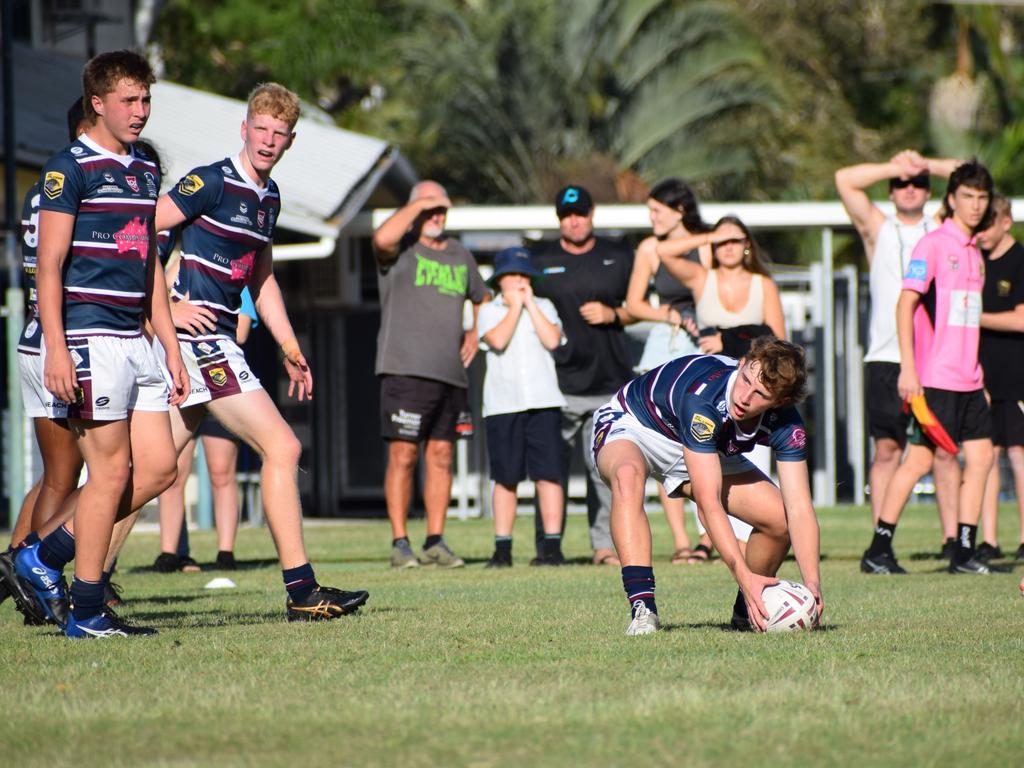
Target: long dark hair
point(677, 194)
point(753, 260)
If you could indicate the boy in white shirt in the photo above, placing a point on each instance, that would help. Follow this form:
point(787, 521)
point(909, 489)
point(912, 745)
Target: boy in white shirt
point(522, 403)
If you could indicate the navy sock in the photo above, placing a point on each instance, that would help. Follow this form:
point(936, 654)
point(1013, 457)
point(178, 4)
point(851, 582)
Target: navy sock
point(503, 546)
point(105, 578)
point(638, 581)
point(300, 582)
point(739, 608)
point(552, 544)
point(32, 538)
point(881, 544)
point(965, 540)
point(57, 549)
point(399, 540)
point(431, 541)
point(87, 598)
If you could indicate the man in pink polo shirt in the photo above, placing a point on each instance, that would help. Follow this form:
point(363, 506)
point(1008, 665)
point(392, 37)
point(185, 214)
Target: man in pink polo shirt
point(938, 323)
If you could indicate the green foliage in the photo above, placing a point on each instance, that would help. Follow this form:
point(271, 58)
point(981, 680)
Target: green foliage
point(527, 666)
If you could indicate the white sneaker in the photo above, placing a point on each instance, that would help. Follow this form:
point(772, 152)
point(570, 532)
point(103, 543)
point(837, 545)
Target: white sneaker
point(645, 622)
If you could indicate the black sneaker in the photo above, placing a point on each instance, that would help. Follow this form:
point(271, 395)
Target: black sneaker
point(24, 599)
point(112, 595)
point(948, 549)
point(987, 552)
point(225, 561)
point(167, 562)
point(881, 564)
point(1019, 554)
point(326, 603)
point(499, 561)
point(972, 566)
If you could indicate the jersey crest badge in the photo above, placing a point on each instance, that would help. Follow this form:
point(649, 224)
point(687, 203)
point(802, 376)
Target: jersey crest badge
point(218, 377)
point(53, 184)
point(190, 185)
point(701, 427)
point(260, 218)
point(132, 182)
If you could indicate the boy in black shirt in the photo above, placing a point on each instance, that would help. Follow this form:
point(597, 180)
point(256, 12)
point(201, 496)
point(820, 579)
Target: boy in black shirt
point(1001, 353)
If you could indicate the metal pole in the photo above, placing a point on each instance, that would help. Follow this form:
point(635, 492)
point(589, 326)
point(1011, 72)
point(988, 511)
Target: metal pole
point(204, 509)
point(829, 363)
point(855, 387)
point(15, 463)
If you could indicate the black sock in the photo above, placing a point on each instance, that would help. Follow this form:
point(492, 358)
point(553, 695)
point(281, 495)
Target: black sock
point(400, 540)
point(503, 547)
point(552, 545)
point(87, 598)
point(966, 536)
point(105, 578)
point(881, 544)
point(431, 541)
point(739, 608)
point(57, 549)
point(300, 582)
point(638, 581)
point(28, 541)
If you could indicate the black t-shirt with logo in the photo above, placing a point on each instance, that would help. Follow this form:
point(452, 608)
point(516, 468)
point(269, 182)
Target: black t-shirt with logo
point(1002, 352)
point(595, 358)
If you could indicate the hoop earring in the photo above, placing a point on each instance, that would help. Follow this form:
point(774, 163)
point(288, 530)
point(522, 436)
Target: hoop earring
point(746, 252)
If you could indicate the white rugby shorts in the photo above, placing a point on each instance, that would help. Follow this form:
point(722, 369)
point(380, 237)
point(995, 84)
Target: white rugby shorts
point(664, 457)
point(216, 368)
point(38, 401)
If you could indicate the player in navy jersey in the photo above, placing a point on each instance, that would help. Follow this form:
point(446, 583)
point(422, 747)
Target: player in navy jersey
point(227, 211)
point(97, 278)
point(688, 423)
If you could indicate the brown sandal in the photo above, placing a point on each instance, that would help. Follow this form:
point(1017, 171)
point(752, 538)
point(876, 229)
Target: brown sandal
point(699, 554)
point(682, 556)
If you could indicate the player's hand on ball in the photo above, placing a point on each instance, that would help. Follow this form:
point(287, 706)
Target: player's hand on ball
point(752, 584)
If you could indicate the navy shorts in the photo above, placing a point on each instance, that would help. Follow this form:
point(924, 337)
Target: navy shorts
point(526, 443)
point(416, 409)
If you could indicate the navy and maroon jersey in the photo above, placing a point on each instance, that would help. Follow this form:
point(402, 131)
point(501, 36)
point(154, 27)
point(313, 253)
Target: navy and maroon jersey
point(230, 222)
point(686, 400)
point(113, 199)
point(30, 334)
point(165, 240)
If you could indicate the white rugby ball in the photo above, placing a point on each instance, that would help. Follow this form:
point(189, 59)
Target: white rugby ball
point(790, 607)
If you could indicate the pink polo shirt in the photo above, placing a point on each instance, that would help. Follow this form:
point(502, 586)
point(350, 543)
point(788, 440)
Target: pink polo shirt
point(946, 268)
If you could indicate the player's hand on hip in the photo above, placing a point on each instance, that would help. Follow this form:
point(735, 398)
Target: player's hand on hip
point(470, 346)
point(596, 313)
point(908, 384)
point(59, 376)
point(192, 317)
point(300, 378)
point(752, 584)
point(181, 386)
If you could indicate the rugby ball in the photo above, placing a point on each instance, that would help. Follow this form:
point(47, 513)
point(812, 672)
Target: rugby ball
point(790, 607)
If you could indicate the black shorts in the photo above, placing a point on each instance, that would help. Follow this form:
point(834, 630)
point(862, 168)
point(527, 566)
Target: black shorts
point(885, 408)
point(964, 416)
point(526, 442)
point(416, 409)
point(1007, 422)
point(210, 427)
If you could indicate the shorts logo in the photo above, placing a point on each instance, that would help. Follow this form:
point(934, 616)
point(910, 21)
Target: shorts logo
point(916, 270)
point(407, 422)
point(102, 402)
point(53, 184)
point(205, 347)
point(218, 377)
point(702, 428)
point(243, 376)
point(190, 185)
point(77, 357)
point(132, 182)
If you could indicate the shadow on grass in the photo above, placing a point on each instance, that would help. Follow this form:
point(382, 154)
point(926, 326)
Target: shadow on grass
point(211, 567)
point(186, 620)
point(727, 627)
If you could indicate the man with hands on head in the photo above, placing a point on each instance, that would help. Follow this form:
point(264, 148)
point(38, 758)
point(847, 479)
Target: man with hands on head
point(425, 277)
point(889, 241)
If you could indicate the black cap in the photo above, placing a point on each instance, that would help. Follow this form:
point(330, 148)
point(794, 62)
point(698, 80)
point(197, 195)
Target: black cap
point(573, 199)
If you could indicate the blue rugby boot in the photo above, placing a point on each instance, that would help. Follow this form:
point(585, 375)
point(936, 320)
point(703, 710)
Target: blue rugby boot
point(12, 586)
point(48, 585)
point(105, 624)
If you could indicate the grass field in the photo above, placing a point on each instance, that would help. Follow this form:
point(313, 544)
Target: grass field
point(528, 666)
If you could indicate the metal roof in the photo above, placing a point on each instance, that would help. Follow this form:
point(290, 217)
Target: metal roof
point(324, 178)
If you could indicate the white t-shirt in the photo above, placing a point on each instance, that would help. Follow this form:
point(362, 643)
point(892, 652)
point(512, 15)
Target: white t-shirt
point(895, 244)
point(522, 376)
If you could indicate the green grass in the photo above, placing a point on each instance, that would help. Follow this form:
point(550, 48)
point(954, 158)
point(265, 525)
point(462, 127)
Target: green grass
point(527, 667)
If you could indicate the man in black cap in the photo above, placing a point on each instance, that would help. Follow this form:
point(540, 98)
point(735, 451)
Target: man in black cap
point(586, 278)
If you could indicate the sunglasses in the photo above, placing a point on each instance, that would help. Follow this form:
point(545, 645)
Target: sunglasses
point(916, 182)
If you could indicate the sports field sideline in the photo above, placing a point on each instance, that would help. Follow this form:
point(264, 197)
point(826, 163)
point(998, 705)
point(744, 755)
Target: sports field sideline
point(528, 666)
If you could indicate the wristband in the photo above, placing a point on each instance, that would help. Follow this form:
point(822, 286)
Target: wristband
point(291, 349)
